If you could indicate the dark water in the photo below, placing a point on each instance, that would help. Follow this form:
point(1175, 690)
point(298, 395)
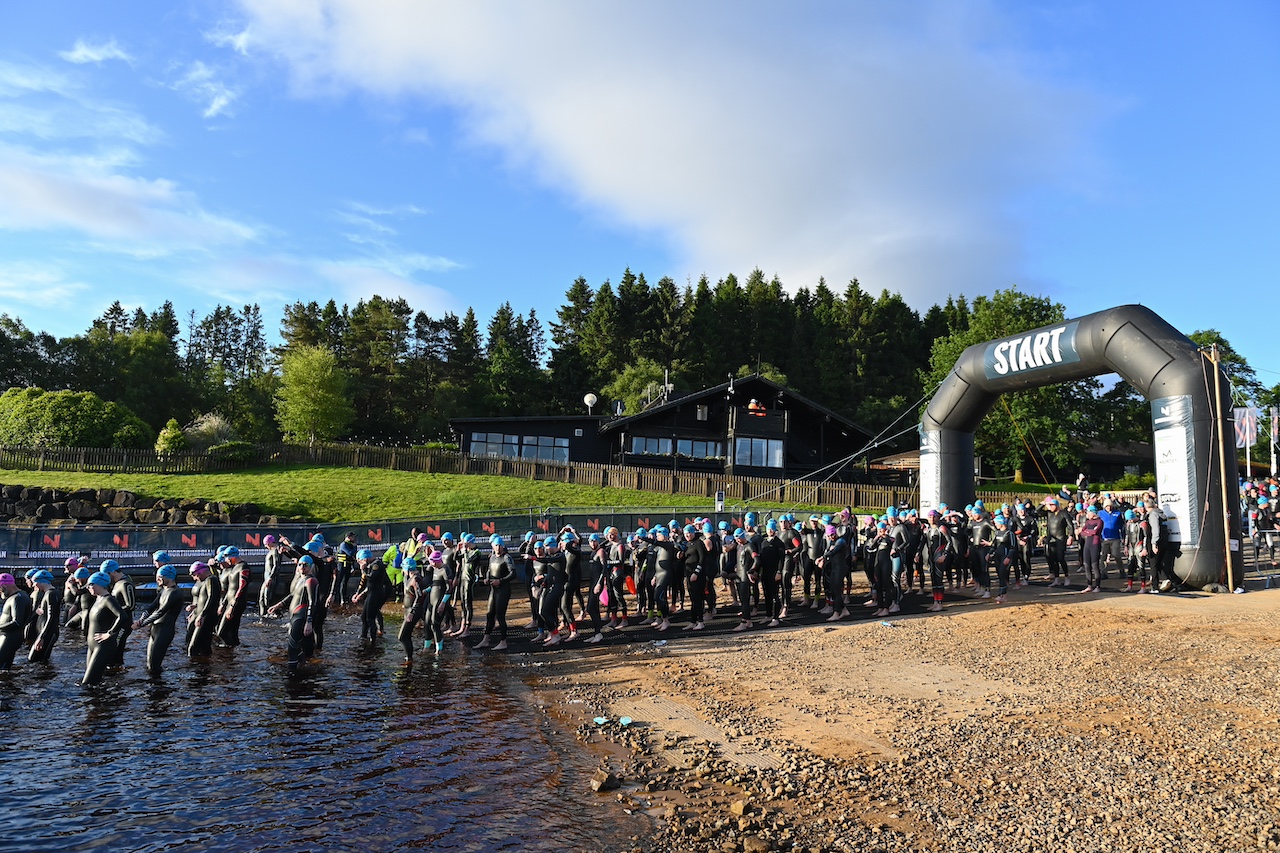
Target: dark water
point(355, 754)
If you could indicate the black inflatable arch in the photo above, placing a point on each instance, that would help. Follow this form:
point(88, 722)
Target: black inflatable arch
point(1153, 357)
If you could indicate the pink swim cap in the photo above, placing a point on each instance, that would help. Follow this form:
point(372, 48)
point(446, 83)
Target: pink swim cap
point(436, 558)
point(831, 530)
point(6, 578)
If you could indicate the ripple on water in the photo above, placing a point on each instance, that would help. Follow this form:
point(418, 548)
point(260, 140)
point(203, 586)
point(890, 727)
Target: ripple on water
point(355, 754)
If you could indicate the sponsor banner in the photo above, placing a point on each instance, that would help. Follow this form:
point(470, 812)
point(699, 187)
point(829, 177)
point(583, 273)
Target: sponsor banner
point(1033, 351)
point(930, 470)
point(1246, 427)
point(1174, 443)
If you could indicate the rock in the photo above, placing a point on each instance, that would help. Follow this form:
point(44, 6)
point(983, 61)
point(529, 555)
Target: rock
point(149, 516)
point(167, 503)
point(603, 780)
point(48, 512)
point(119, 514)
point(13, 493)
point(755, 844)
point(106, 497)
point(141, 502)
point(30, 493)
point(47, 496)
point(189, 504)
point(84, 510)
point(25, 508)
point(174, 515)
point(83, 495)
point(198, 518)
point(738, 808)
point(123, 498)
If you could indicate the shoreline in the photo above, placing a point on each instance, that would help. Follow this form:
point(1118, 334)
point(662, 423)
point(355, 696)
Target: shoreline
point(1112, 722)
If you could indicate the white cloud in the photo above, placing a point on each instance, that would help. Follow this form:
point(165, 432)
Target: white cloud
point(237, 41)
point(394, 210)
point(38, 285)
point(202, 84)
point(85, 52)
point(883, 141)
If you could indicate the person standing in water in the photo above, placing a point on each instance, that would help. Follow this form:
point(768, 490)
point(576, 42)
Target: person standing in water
point(122, 591)
point(304, 602)
point(202, 613)
point(105, 624)
point(46, 613)
point(161, 618)
point(372, 593)
point(498, 578)
point(14, 616)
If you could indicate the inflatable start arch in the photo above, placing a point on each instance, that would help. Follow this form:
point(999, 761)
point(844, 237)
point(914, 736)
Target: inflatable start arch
point(1187, 399)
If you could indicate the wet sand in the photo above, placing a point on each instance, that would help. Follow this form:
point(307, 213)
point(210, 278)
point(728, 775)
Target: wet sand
point(1058, 721)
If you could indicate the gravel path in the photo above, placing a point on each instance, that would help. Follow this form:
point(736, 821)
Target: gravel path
point(1057, 722)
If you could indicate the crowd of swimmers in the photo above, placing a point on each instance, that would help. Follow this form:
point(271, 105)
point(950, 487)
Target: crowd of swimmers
point(580, 587)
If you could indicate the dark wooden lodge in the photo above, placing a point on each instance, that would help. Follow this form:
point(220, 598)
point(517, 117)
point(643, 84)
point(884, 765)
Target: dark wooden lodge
point(716, 429)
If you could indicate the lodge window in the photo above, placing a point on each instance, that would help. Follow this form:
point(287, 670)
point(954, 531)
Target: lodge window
point(544, 447)
point(758, 453)
point(702, 413)
point(698, 449)
point(650, 446)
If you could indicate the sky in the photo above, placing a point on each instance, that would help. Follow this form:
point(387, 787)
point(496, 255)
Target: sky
point(466, 154)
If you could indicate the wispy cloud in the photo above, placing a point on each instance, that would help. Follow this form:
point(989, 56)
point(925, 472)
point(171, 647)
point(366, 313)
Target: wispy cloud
point(393, 210)
point(883, 141)
point(201, 83)
point(237, 40)
point(85, 52)
point(37, 285)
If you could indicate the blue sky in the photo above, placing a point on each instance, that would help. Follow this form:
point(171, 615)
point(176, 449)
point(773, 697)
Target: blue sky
point(470, 153)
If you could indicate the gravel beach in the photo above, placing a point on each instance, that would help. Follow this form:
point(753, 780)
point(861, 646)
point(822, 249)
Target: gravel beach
point(1058, 721)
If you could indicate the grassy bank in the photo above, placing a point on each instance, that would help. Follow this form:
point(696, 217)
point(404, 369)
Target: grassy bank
point(354, 494)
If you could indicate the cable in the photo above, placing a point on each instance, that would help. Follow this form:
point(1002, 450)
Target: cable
point(1022, 436)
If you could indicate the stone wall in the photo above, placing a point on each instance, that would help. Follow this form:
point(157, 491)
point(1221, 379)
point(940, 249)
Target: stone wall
point(37, 505)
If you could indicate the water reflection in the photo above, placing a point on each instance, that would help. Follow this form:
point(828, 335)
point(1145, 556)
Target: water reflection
point(357, 753)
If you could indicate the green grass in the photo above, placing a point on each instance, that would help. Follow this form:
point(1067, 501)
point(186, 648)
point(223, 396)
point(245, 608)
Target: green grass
point(323, 494)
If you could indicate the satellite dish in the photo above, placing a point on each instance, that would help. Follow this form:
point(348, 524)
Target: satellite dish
point(590, 400)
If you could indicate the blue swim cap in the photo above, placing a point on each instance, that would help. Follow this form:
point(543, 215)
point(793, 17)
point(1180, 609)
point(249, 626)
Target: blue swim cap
point(1079, 507)
point(230, 551)
point(568, 536)
point(751, 518)
point(1128, 515)
point(968, 507)
point(739, 534)
point(771, 525)
point(496, 541)
point(640, 531)
point(319, 537)
point(528, 537)
point(315, 547)
point(549, 543)
point(942, 507)
point(409, 564)
point(724, 525)
point(707, 528)
point(689, 528)
point(659, 530)
point(610, 529)
point(43, 576)
point(468, 538)
point(891, 511)
point(978, 504)
point(446, 537)
point(1000, 519)
point(880, 525)
point(101, 579)
point(109, 566)
point(82, 573)
point(595, 538)
point(307, 560)
point(167, 572)
point(1263, 500)
point(673, 524)
point(826, 519)
point(161, 557)
point(364, 554)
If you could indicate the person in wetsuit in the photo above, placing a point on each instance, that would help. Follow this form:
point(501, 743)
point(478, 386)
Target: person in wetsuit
point(471, 565)
point(123, 592)
point(572, 549)
point(550, 577)
point(105, 623)
point(161, 617)
point(834, 563)
point(1090, 535)
point(77, 599)
point(346, 559)
point(304, 604)
point(415, 606)
point(270, 570)
point(698, 567)
point(46, 615)
point(372, 593)
point(617, 578)
point(497, 578)
point(937, 553)
point(743, 559)
point(15, 614)
point(1004, 550)
point(235, 596)
point(1058, 536)
point(664, 554)
point(814, 545)
point(442, 579)
point(202, 612)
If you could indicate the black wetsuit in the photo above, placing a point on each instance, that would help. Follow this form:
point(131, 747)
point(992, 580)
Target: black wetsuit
point(415, 605)
point(304, 607)
point(1005, 551)
point(374, 591)
point(105, 617)
point(78, 605)
point(617, 578)
point(794, 546)
point(1057, 530)
point(270, 569)
point(46, 618)
point(471, 566)
point(835, 566)
point(346, 560)
point(1027, 533)
point(745, 576)
point(203, 618)
point(443, 579)
point(939, 553)
point(162, 615)
point(880, 550)
point(769, 559)
point(697, 568)
point(14, 616)
point(814, 546)
point(501, 569)
point(665, 559)
point(550, 576)
point(324, 586)
point(235, 599)
point(123, 592)
point(981, 533)
point(573, 582)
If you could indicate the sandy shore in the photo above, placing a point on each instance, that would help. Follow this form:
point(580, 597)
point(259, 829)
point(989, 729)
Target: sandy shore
point(1057, 722)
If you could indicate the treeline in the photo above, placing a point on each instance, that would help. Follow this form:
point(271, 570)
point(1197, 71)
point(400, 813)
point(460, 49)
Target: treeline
point(865, 356)
point(858, 354)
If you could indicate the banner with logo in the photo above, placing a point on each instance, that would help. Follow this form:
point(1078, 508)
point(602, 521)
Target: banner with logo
point(1175, 451)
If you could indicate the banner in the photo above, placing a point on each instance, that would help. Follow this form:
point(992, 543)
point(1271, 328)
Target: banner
point(1174, 441)
point(1246, 427)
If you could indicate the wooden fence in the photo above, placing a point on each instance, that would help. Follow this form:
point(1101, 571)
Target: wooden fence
point(738, 490)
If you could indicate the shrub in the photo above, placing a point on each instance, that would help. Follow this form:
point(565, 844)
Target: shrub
point(236, 452)
point(210, 430)
point(1134, 482)
point(33, 417)
point(172, 439)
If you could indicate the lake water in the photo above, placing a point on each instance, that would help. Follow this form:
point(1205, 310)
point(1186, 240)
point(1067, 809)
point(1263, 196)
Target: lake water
point(355, 754)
